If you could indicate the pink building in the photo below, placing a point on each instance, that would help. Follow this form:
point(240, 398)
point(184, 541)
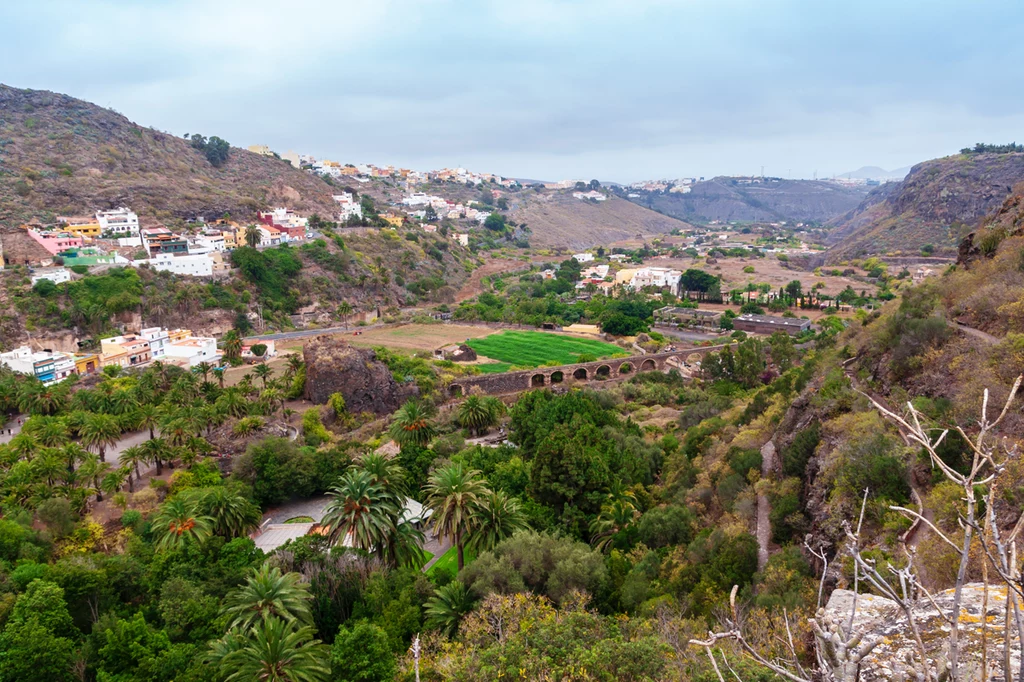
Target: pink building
point(55, 242)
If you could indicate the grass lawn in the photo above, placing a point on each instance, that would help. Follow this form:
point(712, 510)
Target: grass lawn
point(532, 349)
point(493, 367)
point(450, 560)
point(300, 519)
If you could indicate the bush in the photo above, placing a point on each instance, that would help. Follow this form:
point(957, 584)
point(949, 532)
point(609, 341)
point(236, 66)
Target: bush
point(362, 654)
point(131, 518)
point(666, 526)
point(799, 452)
point(313, 429)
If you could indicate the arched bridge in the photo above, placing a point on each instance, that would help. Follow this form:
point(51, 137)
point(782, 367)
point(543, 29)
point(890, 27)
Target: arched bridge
point(611, 368)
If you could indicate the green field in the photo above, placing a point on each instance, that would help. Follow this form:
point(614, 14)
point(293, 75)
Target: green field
point(449, 561)
point(533, 349)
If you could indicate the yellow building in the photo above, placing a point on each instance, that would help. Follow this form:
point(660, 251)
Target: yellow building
point(261, 149)
point(86, 363)
point(392, 219)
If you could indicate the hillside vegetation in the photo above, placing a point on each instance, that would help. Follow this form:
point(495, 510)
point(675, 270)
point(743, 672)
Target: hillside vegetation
point(63, 156)
point(938, 203)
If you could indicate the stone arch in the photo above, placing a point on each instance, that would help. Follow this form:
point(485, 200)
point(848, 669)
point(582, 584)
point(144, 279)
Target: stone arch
point(557, 377)
point(603, 372)
point(580, 373)
point(693, 358)
point(455, 391)
point(536, 381)
point(648, 365)
point(625, 368)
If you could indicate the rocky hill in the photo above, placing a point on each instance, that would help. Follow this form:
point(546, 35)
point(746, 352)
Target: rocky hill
point(556, 218)
point(938, 203)
point(60, 155)
point(725, 199)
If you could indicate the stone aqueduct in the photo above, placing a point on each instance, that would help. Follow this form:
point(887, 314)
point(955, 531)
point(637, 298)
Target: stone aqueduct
point(567, 375)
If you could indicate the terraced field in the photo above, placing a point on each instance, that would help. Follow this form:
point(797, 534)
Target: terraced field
point(533, 349)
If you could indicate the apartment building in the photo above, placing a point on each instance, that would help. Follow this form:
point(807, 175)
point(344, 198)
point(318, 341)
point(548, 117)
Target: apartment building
point(130, 350)
point(121, 221)
point(47, 366)
point(57, 275)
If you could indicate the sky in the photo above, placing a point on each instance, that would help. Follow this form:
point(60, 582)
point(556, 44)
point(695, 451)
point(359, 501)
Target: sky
point(619, 90)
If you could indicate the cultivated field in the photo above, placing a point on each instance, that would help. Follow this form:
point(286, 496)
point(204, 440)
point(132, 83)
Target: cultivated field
point(417, 337)
point(532, 349)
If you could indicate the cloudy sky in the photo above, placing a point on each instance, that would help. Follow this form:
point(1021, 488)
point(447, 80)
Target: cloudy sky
point(547, 89)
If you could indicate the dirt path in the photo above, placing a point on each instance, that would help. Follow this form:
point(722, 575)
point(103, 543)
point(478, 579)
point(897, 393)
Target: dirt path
point(978, 334)
point(764, 509)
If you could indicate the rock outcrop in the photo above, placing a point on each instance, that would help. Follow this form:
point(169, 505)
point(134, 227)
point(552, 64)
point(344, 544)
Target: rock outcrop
point(896, 654)
point(333, 366)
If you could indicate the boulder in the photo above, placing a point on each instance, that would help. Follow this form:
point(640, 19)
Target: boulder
point(896, 654)
point(333, 366)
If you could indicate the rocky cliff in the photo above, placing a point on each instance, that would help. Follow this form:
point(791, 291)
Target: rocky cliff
point(896, 654)
point(333, 366)
point(60, 155)
point(938, 203)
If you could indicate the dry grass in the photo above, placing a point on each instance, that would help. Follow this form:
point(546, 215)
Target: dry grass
point(768, 270)
point(417, 337)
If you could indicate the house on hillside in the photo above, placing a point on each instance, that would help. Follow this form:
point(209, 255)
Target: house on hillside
point(121, 221)
point(767, 324)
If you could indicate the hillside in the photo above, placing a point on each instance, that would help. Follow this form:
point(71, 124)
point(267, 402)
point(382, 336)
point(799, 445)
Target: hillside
point(938, 203)
point(556, 218)
point(775, 199)
point(60, 155)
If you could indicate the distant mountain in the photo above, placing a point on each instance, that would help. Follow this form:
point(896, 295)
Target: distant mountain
point(876, 173)
point(556, 218)
point(938, 203)
point(60, 155)
point(754, 200)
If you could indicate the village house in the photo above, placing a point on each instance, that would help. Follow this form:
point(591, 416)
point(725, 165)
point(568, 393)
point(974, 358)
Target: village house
point(57, 275)
point(687, 317)
point(57, 241)
point(83, 227)
point(261, 149)
point(119, 221)
point(129, 350)
point(585, 196)
point(47, 366)
point(247, 345)
point(269, 235)
point(656, 277)
point(766, 324)
point(583, 257)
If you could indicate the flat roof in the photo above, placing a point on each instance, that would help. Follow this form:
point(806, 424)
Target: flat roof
point(277, 534)
point(782, 321)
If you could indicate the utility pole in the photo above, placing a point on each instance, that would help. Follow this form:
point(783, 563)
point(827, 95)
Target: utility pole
point(415, 649)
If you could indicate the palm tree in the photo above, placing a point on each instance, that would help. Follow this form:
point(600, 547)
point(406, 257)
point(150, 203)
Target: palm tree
point(100, 431)
point(268, 593)
point(616, 514)
point(232, 403)
point(92, 470)
point(498, 517)
point(274, 652)
point(177, 522)
point(294, 365)
point(475, 414)
point(386, 472)
point(252, 236)
point(133, 457)
point(345, 310)
point(159, 451)
point(361, 510)
point(447, 607)
point(233, 514)
point(263, 371)
point(411, 425)
point(219, 373)
point(404, 546)
point(272, 398)
point(232, 343)
point(454, 495)
point(51, 432)
point(147, 416)
point(204, 368)
point(24, 445)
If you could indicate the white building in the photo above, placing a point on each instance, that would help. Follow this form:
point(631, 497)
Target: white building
point(349, 206)
point(158, 341)
point(194, 349)
point(47, 366)
point(595, 272)
point(207, 241)
point(584, 196)
point(56, 275)
point(121, 221)
point(195, 264)
point(417, 199)
point(583, 257)
point(461, 237)
point(655, 277)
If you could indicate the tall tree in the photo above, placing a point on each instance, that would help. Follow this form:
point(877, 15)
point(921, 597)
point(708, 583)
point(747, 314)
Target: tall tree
point(412, 425)
point(269, 593)
point(178, 522)
point(362, 511)
point(454, 494)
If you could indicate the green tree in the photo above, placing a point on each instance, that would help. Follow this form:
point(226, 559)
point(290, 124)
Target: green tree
point(100, 431)
point(231, 513)
point(497, 518)
point(361, 653)
point(232, 344)
point(129, 649)
point(252, 236)
point(361, 511)
point(411, 424)
point(31, 653)
point(448, 606)
point(273, 651)
point(476, 414)
point(268, 593)
point(454, 495)
point(178, 522)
